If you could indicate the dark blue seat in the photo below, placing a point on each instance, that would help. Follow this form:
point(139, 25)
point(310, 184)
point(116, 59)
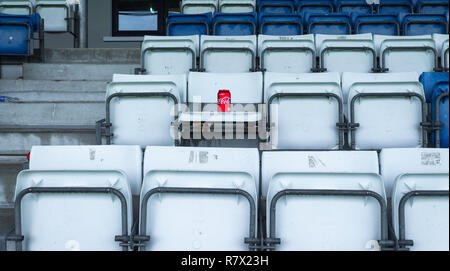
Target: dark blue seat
point(377, 24)
point(423, 24)
point(188, 24)
point(280, 24)
point(436, 85)
point(17, 33)
point(283, 6)
point(332, 24)
point(395, 6)
point(315, 6)
point(234, 24)
point(431, 6)
point(350, 6)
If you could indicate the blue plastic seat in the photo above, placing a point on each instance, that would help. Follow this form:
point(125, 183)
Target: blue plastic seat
point(315, 6)
point(423, 24)
point(436, 84)
point(17, 33)
point(431, 6)
point(332, 24)
point(188, 24)
point(395, 6)
point(234, 24)
point(280, 24)
point(377, 24)
point(283, 7)
point(349, 6)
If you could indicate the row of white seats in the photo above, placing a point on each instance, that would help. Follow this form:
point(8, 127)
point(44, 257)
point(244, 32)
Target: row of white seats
point(207, 198)
point(204, 6)
point(57, 14)
point(294, 54)
point(304, 108)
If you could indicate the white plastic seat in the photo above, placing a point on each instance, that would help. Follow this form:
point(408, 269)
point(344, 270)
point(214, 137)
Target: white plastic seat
point(406, 53)
point(304, 110)
point(237, 6)
point(134, 101)
point(442, 45)
point(127, 159)
point(56, 15)
point(288, 54)
point(346, 53)
point(169, 55)
point(56, 218)
point(385, 110)
point(228, 54)
point(198, 6)
point(185, 210)
point(17, 7)
point(314, 216)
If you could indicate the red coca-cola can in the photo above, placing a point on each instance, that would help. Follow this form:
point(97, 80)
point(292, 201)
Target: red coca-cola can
point(224, 100)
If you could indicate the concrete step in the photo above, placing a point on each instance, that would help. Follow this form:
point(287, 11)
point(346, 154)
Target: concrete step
point(77, 72)
point(51, 113)
point(55, 96)
point(52, 85)
point(93, 55)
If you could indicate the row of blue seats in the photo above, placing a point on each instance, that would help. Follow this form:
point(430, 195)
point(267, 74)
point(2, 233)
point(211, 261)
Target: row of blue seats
point(16, 32)
point(328, 6)
point(236, 24)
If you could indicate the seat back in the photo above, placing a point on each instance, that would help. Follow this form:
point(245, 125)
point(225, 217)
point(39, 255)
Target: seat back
point(170, 55)
point(316, 100)
point(188, 24)
point(314, 211)
point(191, 201)
point(377, 24)
point(440, 113)
point(406, 54)
point(133, 100)
point(245, 88)
point(234, 24)
point(349, 6)
point(56, 14)
point(315, 6)
point(399, 101)
point(199, 6)
point(280, 7)
point(280, 24)
point(227, 54)
point(332, 24)
point(395, 6)
point(350, 53)
point(423, 24)
point(237, 6)
point(431, 6)
point(16, 33)
point(73, 210)
point(16, 7)
point(290, 54)
point(442, 45)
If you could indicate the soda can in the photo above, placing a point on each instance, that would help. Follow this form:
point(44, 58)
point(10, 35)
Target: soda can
point(224, 100)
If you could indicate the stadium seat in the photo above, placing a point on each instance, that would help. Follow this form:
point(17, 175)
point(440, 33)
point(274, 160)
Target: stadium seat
point(16, 7)
point(432, 80)
point(408, 173)
point(169, 55)
point(287, 54)
point(57, 15)
point(376, 24)
point(432, 6)
point(237, 6)
point(280, 24)
point(407, 53)
point(423, 24)
point(350, 6)
point(304, 110)
point(199, 6)
point(442, 45)
point(395, 6)
point(331, 24)
point(440, 114)
point(228, 53)
point(283, 7)
point(399, 102)
point(133, 101)
point(188, 24)
point(235, 24)
point(326, 200)
point(346, 53)
point(17, 34)
point(199, 198)
point(315, 6)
